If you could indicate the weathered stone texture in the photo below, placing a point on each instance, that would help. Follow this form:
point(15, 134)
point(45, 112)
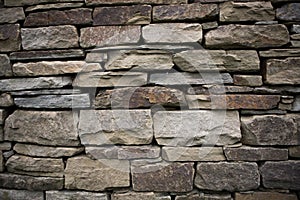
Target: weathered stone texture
point(140, 195)
point(10, 39)
point(21, 195)
point(138, 152)
point(277, 53)
point(33, 2)
point(294, 152)
point(11, 15)
point(75, 195)
point(5, 66)
point(296, 104)
point(247, 80)
point(289, 12)
point(227, 176)
point(6, 100)
point(202, 196)
point(265, 195)
point(1, 162)
point(53, 6)
point(295, 28)
point(100, 2)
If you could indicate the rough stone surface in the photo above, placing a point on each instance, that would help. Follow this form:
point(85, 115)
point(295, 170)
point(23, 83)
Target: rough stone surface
point(103, 152)
point(1, 162)
point(75, 195)
point(5, 146)
point(246, 11)
point(247, 80)
point(25, 126)
point(115, 127)
point(182, 12)
point(138, 152)
point(10, 39)
point(52, 37)
point(271, 130)
point(45, 92)
point(264, 195)
point(289, 12)
point(53, 6)
point(139, 195)
point(109, 35)
point(189, 128)
point(21, 195)
point(281, 175)
point(218, 89)
point(202, 196)
point(295, 28)
point(227, 176)
point(96, 175)
point(11, 15)
point(5, 66)
point(294, 152)
point(247, 36)
point(6, 100)
point(172, 33)
point(283, 71)
point(100, 2)
point(33, 2)
point(277, 53)
point(160, 177)
point(3, 115)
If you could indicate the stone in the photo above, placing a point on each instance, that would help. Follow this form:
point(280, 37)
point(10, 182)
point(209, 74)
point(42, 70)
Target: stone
point(109, 35)
point(45, 92)
point(21, 194)
point(129, 127)
point(5, 146)
point(278, 89)
point(247, 80)
point(96, 57)
point(277, 53)
point(110, 79)
point(75, 195)
point(190, 128)
point(11, 15)
point(121, 15)
point(102, 152)
point(227, 176)
point(288, 12)
point(140, 97)
point(283, 106)
point(6, 100)
point(295, 28)
point(209, 25)
point(246, 153)
point(138, 152)
point(53, 6)
point(271, 130)
point(218, 89)
point(33, 2)
point(3, 115)
point(294, 152)
point(53, 37)
point(10, 39)
point(264, 195)
point(140, 60)
point(46, 55)
point(25, 126)
point(8, 154)
point(50, 167)
point(139, 195)
point(295, 37)
point(263, 112)
point(77, 16)
point(193, 154)
point(84, 173)
point(246, 11)
point(5, 66)
point(46, 151)
point(281, 175)
point(25, 182)
point(247, 36)
point(160, 177)
point(172, 33)
point(194, 12)
point(217, 60)
point(1, 162)
point(101, 2)
point(295, 43)
point(282, 71)
point(1, 135)
point(202, 196)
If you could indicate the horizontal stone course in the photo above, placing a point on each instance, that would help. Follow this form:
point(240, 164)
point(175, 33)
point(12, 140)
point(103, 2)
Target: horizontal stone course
point(101, 2)
point(62, 195)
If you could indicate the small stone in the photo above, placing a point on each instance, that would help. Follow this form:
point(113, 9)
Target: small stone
point(289, 12)
point(218, 89)
point(264, 195)
point(8, 154)
point(294, 152)
point(5, 146)
point(281, 175)
point(1, 135)
point(295, 28)
point(106, 152)
point(105, 2)
point(172, 33)
point(53, 6)
point(53, 37)
point(209, 25)
point(247, 80)
point(263, 112)
point(10, 39)
point(140, 195)
point(295, 43)
point(5, 66)
point(84, 173)
point(295, 37)
point(266, 22)
point(160, 177)
point(138, 152)
point(196, 196)
point(277, 53)
point(45, 92)
point(75, 195)
point(3, 115)
point(283, 106)
point(1, 162)
point(21, 194)
point(6, 100)
point(11, 15)
point(33, 2)
point(227, 176)
point(287, 99)
point(97, 57)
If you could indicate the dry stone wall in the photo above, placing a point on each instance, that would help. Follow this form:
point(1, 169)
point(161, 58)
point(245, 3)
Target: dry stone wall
point(149, 99)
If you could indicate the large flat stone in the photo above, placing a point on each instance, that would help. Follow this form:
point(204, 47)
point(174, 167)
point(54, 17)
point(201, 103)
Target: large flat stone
point(138, 152)
point(139, 195)
point(53, 6)
point(42, 127)
point(21, 194)
point(189, 128)
point(289, 12)
point(33, 2)
point(218, 89)
point(265, 195)
point(105, 2)
point(10, 39)
point(75, 195)
point(5, 66)
point(11, 15)
point(277, 53)
point(195, 196)
point(248, 80)
point(45, 92)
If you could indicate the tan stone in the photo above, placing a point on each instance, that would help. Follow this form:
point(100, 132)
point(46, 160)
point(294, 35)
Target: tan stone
point(247, 80)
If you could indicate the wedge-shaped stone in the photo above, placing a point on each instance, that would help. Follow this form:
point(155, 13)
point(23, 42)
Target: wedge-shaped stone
point(5, 66)
point(289, 12)
point(189, 128)
point(227, 176)
point(10, 39)
point(117, 2)
point(140, 195)
point(84, 173)
point(11, 15)
point(74, 195)
point(265, 195)
point(21, 194)
point(42, 127)
point(101, 127)
point(33, 2)
point(277, 53)
point(247, 36)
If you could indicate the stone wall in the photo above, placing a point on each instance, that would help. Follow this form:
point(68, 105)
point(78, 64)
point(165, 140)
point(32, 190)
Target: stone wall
point(149, 99)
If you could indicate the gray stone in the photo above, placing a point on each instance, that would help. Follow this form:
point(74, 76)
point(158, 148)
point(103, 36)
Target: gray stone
point(295, 37)
point(21, 195)
point(97, 57)
point(172, 33)
point(209, 25)
point(295, 43)
point(1, 135)
point(10, 39)
point(53, 37)
point(53, 6)
point(36, 127)
point(24, 182)
point(202, 196)
point(3, 115)
point(281, 175)
point(247, 80)
point(189, 128)
point(294, 152)
point(105, 152)
point(193, 154)
point(33, 2)
point(277, 53)
point(84, 173)
point(247, 36)
point(278, 89)
point(6, 100)
point(103, 127)
point(265, 195)
point(101, 2)
point(295, 28)
point(75, 195)
point(227, 176)
point(138, 152)
point(218, 89)
point(289, 12)
point(11, 15)
point(5, 146)
point(1, 162)
point(5, 66)
point(45, 92)
point(139, 195)
point(263, 112)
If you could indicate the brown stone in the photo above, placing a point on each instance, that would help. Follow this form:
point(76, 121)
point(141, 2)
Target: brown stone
point(247, 80)
point(138, 152)
point(6, 100)
point(101, 2)
point(218, 89)
point(11, 15)
point(53, 6)
point(5, 66)
point(289, 12)
point(264, 196)
point(294, 152)
point(10, 39)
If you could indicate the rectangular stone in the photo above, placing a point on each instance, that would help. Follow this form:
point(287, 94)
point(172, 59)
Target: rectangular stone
point(104, 152)
point(294, 152)
point(138, 152)
point(21, 194)
point(1, 135)
point(201, 196)
point(53, 6)
point(33, 2)
point(6, 100)
point(3, 115)
point(278, 53)
point(265, 195)
point(11, 15)
point(10, 39)
point(288, 12)
point(5, 146)
point(108, 2)
point(190, 128)
point(75, 195)
point(1, 162)
point(45, 92)
point(5, 66)
point(218, 89)
point(139, 195)
point(247, 80)
point(295, 28)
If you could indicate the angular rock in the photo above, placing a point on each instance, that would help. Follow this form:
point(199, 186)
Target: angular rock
point(140, 195)
point(227, 176)
point(6, 100)
point(246, 11)
point(289, 12)
point(189, 128)
point(281, 175)
point(172, 33)
point(5, 67)
point(264, 195)
point(247, 80)
point(217, 60)
point(295, 37)
point(218, 89)
point(10, 39)
point(35, 166)
point(105, 152)
point(294, 152)
point(283, 71)
point(1, 162)
point(120, 15)
point(53, 37)
point(96, 175)
point(255, 154)
point(160, 177)
point(11, 15)
point(138, 152)
point(45, 92)
point(140, 97)
point(193, 154)
point(25, 126)
point(101, 127)
point(182, 12)
point(1, 135)
point(3, 115)
point(21, 194)
point(5, 146)
point(24, 182)
point(271, 130)
point(109, 35)
point(209, 25)
point(74, 195)
point(295, 28)
point(33, 2)
point(96, 57)
point(277, 53)
point(101, 2)
point(53, 6)
point(295, 43)
point(247, 36)
point(195, 196)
